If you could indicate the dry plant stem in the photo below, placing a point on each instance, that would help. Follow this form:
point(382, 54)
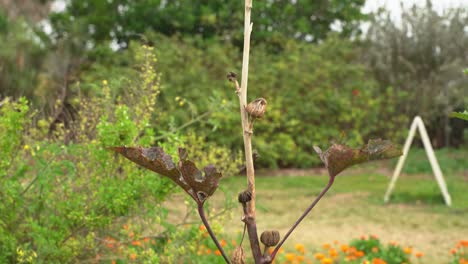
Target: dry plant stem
point(249, 218)
point(306, 212)
point(201, 212)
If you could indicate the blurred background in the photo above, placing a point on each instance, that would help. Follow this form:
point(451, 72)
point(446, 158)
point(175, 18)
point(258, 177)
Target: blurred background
point(77, 76)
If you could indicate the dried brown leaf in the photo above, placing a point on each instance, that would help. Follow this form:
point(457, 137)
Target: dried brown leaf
point(339, 157)
point(186, 174)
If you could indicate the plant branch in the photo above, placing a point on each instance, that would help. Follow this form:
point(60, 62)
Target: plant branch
point(249, 217)
point(201, 212)
point(189, 123)
point(306, 212)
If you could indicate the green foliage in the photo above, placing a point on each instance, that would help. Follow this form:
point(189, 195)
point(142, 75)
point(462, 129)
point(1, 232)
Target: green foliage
point(372, 248)
point(63, 192)
point(275, 21)
point(460, 115)
point(20, 57)
point(303, 109)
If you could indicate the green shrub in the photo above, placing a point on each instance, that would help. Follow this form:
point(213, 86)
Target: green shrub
point(64, 193)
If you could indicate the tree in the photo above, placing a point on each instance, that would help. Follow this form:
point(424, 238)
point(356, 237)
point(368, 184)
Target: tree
point(423, 57)
point(122, 20)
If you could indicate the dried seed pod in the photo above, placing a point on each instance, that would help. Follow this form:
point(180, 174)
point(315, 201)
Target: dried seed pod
point(257, 108)
point(270, 238)
point(245, 197)
point(238, 257)
point(231, 76)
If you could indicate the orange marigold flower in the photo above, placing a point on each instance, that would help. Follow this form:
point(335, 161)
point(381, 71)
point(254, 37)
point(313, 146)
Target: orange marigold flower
point(464, 243)
point(146, 239)
point(327, 261)
point(233, 242)
point(136, 243)
point(133, 256)
point(374, 236)
point(208, 251)
point(336, 242)
point(131, 234)
point(363, 237)
point(114, 262)
point(419, 254)
point(202, 228)
point(462, 261)
point(378, 261)
point(333, 253)
point(125, 227)
point(326, 246)
point(359, 254)
point(223, 242)
point(453, 251)
point(300, 248)
point(319, 256)
point(407, 250)
point(375, 249)
point(344, 248)
point(290, 256)
point(300, 258)
point(393, 243)
point(217, 252)
point(352, 250)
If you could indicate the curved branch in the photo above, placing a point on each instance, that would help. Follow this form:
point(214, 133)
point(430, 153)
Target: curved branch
point(201, 212)
point(306, 212)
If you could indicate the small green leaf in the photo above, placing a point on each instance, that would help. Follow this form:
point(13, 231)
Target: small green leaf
point(339, 157)
point(460, 115)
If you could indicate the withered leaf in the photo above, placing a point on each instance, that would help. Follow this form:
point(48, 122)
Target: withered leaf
point(186, 174)
point(339, 157)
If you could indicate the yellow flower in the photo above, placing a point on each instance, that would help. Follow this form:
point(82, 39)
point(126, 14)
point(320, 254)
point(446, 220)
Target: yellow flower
point(344, 248)
point(290, 256)
point(26, 147)
point(408, 250)
point(181, 103)
point(327, 261)
point(177, 98)
point(104, 82)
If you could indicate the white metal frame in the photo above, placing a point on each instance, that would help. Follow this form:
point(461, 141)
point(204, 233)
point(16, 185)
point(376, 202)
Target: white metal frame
point(418, 123)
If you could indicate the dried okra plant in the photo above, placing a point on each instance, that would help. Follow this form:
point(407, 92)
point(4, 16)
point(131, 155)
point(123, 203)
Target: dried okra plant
point(200, 185)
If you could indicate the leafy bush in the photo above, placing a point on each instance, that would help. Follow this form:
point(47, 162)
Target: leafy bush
point(328, 91)
point(63, 193)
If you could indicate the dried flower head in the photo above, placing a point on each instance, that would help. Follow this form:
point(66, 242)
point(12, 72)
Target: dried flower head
point(238, 257)
point(245, 197)
point(257, 108)
point(270, 238)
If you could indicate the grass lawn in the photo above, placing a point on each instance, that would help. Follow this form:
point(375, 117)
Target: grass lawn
point(416, 215)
